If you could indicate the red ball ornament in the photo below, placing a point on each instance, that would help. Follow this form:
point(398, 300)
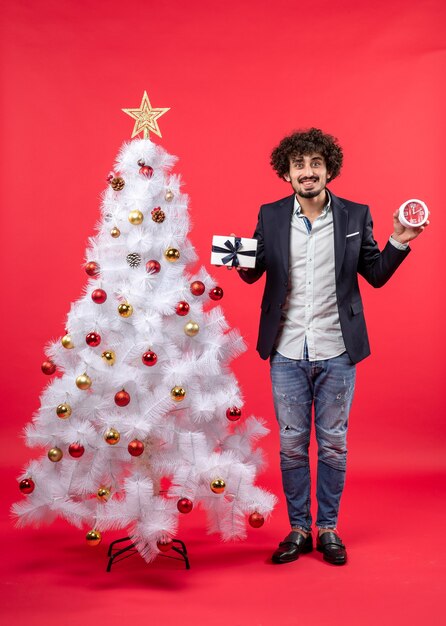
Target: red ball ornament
point(76, 450)
point(135, 447)
point(165, 545)
point(149, 358)
point(93, 339)
point(48, 367)
point(99, 296)
point(256, 520)
point(184, 505)
point(92, 268)
point(233, 413)
point(197, 288)
point(26, 485)
point(146, 171)
point(182, 308)
point(216, 293)
point(122, 398)
point(153, 267)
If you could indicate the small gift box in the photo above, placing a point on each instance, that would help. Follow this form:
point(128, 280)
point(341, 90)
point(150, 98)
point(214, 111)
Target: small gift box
point(233, 251)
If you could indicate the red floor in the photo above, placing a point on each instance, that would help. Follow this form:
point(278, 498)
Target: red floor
point(393, 527)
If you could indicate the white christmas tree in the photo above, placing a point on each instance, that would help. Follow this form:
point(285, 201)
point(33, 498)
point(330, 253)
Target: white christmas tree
point(143, 421)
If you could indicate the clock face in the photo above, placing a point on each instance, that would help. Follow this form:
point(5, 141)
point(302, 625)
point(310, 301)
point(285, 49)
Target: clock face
point(414, 212)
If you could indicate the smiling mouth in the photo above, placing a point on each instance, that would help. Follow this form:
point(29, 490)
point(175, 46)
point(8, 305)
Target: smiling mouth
point(308, 182)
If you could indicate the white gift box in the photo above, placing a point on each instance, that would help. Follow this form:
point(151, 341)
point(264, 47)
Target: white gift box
point(233, 251)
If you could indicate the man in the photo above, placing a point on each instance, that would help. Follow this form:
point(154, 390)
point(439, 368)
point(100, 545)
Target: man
point(312, 246)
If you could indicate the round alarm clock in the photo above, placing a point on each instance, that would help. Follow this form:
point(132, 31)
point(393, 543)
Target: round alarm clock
point(413, 213)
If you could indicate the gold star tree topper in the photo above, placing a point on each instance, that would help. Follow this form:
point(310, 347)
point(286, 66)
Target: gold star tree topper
point(146, 118)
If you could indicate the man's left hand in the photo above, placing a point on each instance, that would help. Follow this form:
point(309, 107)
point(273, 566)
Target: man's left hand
point(402, 234)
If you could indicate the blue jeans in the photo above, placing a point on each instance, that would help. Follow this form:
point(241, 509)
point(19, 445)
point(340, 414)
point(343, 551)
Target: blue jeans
point(297, 385)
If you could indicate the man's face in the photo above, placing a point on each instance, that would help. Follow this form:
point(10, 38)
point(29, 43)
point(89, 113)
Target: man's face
point(308, 174)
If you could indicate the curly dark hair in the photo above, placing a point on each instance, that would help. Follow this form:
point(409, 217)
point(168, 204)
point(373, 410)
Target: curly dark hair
point(304, 142)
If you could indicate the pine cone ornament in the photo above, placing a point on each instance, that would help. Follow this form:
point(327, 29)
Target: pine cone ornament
point(117, 183)
point(158, 215)
point(134, 259)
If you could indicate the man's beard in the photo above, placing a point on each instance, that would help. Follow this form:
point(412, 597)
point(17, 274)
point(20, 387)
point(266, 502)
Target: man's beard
point(309, 194)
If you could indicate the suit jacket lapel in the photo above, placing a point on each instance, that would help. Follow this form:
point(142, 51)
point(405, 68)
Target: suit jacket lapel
point(340, 222)
point(283, 220)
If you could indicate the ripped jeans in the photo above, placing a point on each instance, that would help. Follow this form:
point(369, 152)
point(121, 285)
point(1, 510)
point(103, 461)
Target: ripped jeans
point(297, 385)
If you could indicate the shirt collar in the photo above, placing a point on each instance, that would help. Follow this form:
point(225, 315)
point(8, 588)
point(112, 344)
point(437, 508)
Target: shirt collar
point(298, 209)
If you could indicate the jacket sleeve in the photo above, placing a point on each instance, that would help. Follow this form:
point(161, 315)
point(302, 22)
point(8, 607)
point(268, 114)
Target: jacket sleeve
point(251, 275)
point(375, 266)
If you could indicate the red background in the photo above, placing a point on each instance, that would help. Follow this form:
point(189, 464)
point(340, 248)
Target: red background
point(238, 76)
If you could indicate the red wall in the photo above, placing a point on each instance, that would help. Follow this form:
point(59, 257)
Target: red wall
point(237, 76)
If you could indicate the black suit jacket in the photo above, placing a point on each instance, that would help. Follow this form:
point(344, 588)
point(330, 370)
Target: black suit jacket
point(358, 254)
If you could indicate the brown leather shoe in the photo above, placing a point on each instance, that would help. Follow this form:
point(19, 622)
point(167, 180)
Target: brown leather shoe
point(292, 547)
point(332, 548)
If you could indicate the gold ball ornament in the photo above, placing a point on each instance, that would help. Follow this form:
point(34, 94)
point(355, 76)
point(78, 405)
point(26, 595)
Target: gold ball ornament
point(55, 454)
point(117, 183)
point(115, 232)
point(93, 537)
point(109, 357)
point(125, 309)
point(178, 393)
point(112, 436)
point(136, 217)
point(63, 411)
point(103, 493)
point(67, 342)
point(83, 381)
point(191, 329)
point(218, 485)
point(169, 195)
point(172, 255)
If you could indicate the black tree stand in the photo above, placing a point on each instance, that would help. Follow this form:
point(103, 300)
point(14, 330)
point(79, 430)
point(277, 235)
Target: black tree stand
point(116, 554)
